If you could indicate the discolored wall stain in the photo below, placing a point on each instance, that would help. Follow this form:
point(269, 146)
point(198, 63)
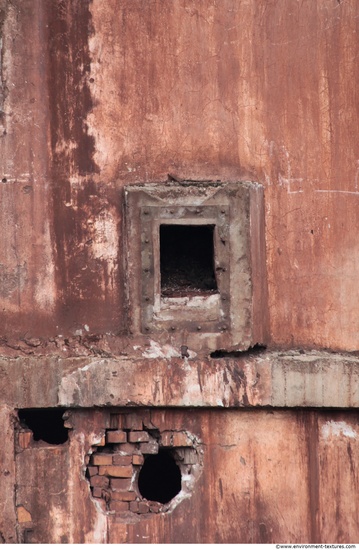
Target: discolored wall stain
point(127, 93)
point(97, 96)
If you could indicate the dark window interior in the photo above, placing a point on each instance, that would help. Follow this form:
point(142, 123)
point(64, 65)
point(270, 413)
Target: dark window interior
point(159, 478)
point(46, 424)
point(187, 260)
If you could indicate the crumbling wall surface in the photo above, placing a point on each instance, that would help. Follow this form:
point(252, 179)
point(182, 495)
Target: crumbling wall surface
point(8, 532)
point(27, 285)
point(247, 491)
point(98, 95)
point(259, 380)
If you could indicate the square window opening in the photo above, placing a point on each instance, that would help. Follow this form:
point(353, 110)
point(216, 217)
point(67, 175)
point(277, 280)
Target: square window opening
point(187, 260)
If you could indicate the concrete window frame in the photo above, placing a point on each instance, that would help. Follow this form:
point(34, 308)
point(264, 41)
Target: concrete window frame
point(228, 319)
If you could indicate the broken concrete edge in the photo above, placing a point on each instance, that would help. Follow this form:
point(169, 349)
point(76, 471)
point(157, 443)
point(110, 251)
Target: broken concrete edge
point(269, 379)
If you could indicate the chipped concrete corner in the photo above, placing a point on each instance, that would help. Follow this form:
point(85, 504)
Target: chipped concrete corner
point(178, 271)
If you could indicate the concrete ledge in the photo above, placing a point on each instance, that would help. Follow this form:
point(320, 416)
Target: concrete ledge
point(259, 380)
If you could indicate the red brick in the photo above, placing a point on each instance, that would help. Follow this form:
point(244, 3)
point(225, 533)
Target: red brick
point(119, 506)
point(116, 471)
point(134, 506)
point(116, 436)
point(150, 448)
point(99, 481)
point(125, 448)
point(97, 492)
point(119, 484)
point(100, 443)
point(155, 507)
point(25, 439)
point(101, 459)
point(180, 439)
point(123, 495)
point(137, 460)
point(137, 437)
point(166, 439)
point(139, 507)
point(117, 421)
point(92, 470)
point(121, 460)
point(133, 421)
point(143, 507)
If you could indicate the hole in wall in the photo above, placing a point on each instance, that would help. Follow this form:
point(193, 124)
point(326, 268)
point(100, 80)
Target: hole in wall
point(254, 350)
point(46, 424)
point(160, 478)
point(187, 260)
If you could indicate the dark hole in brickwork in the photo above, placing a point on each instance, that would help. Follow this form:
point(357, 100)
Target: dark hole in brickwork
point(187, 260)
point(46, 424)
point(160, 478)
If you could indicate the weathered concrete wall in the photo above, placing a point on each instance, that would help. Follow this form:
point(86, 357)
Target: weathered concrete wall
point(268, 476)
point(130, 91)
point(255, 380)
point(95, 96)
point(8, 532)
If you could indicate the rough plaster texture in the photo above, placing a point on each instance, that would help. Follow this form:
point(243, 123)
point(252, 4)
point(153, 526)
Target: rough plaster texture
point(7, 476)
point(95, 96)
point(252, 462)
point(264, 379)
point(127, 93)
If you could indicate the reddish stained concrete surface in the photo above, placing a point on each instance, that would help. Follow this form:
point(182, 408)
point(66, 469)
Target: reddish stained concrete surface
point(95, 96)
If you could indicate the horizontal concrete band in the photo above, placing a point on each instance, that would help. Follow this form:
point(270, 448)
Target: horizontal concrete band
point(259, 380)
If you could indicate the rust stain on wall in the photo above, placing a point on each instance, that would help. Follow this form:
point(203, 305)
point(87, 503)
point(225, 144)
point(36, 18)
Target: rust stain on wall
point(96, 97)
point(251, 465)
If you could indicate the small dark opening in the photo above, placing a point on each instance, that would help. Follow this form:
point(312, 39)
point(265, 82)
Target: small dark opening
point(254, 350)
point(160, 478)
point(187, 260)
point(46, 424)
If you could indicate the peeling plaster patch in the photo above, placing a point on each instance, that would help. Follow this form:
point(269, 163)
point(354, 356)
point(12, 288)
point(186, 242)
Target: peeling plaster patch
point(86, 367)
point(59, 521)
point(156, 351)
point(99, 533)
point(23, 516)
point(104, 237)
point(45, 290)
point(337, 429)
point(69, 391)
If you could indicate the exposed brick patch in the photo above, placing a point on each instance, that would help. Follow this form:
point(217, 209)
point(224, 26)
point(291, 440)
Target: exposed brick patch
point(118, 506)
point(25, 438)
point(120, 460)
point(125, 448)
point(116, 471)
point(102, 460)
point(126, 496)
point(116, 436)
point(114, 464)
point(136, 437)
point(121, 484)
point(99, 481)
point(92, 470)
point(97, 492)
point(149, 448)
point(137, 460)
